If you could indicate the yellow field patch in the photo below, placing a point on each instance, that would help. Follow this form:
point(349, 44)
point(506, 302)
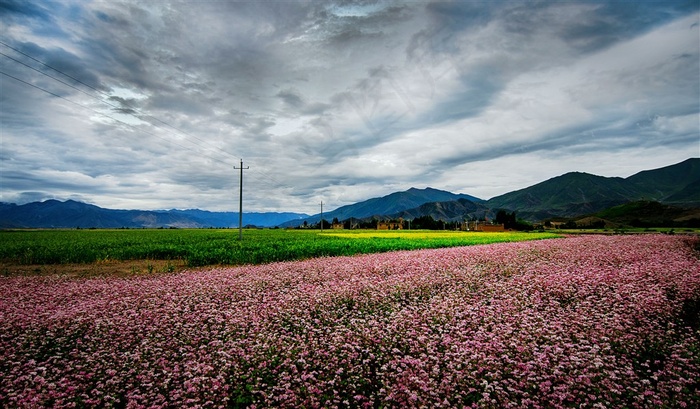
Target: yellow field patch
point(413, 234)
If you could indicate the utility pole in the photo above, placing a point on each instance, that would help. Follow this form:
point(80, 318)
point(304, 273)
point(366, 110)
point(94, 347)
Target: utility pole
point(240, 202)
point(321, 216)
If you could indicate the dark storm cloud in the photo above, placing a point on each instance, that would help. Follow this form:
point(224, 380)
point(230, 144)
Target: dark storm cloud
point(291, 97)
point(63, 64)
point(612, 22)
point(339, 100)
point(24, 9)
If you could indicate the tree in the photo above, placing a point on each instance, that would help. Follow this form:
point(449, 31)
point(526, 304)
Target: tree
point(569, 225)
point(508, 220)
point(426, 222)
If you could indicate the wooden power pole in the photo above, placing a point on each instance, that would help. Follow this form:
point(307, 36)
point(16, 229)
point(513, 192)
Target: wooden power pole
point(240, 202)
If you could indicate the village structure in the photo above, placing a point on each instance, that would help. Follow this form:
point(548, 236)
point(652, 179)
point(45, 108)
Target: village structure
point(476, 226)
point(483, 226)
point(390, 225)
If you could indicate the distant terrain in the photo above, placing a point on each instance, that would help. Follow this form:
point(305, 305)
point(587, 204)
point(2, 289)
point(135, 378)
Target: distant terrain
point(576, 193)
point(571, 195)
point(666, 195)
point(642, 213)
point(72, 214)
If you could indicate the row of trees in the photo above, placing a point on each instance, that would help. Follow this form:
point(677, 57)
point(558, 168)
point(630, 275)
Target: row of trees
point(348, 224)
point(426, 222)
point(509, 221)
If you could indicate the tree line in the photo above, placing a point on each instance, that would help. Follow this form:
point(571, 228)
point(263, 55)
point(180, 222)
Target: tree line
point(426, 222)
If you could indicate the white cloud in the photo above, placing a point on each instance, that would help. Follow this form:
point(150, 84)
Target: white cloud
point(341, 101)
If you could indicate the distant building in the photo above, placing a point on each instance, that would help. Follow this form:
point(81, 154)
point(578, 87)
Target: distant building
point(390, 225)
point(482, 226)
point(337, 226)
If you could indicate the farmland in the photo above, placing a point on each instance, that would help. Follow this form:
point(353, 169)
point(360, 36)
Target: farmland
point(587, 321)
point(200, 247)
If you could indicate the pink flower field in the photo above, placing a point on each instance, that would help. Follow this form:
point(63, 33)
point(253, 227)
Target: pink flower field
point(590, 321)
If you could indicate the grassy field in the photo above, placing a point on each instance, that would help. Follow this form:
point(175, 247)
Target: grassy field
point(200, 247)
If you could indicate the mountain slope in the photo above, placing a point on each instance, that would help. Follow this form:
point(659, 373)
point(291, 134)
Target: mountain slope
point(72, 214)
point(569, 195)
point(576, 193)
point(648, 213)
point(397, 202)
point(56, 214)
point(230, 219)
point(386, 205)
point(689, 196)
point(566, 195)
point(660, 184)
point(450, 211)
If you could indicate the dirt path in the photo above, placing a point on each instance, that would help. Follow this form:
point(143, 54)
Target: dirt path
point(113, 268)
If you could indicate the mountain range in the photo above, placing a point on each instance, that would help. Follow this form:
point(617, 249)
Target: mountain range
point(72, 214)
point(570, 195)
point(389, 206)
point(577, 193)
point(641, 213)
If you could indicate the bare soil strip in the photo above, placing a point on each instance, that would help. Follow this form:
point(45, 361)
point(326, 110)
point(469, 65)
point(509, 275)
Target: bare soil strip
point(111, 268)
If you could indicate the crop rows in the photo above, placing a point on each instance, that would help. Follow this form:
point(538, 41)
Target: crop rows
point(577, 322)
point(200, 247)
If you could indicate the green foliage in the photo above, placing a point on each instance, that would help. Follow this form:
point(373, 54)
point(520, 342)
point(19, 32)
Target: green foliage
point(645, 213)
point(511, 222)
point(508, 220)
point(427, 222)
point(200, 247)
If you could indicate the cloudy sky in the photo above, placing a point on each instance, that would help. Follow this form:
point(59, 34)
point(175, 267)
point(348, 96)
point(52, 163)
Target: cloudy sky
point(150, 105)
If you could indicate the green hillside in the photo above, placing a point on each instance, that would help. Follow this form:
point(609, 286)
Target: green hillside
point(568, 195)
point(663, 183)
point(644, 213)
point(576, 193)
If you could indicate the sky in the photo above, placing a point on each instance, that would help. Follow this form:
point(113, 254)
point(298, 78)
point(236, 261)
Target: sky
point(153, 105)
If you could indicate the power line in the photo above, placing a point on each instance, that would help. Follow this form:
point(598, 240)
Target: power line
point(101, 113)
point(50, 67)
point(271, 181)
point(105, 94)
point(264, 177)
point(118, 108)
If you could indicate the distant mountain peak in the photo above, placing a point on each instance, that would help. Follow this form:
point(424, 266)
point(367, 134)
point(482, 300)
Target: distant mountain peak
point(428, 189)
point(568, 195)
point(71, 214)
point(390, 204)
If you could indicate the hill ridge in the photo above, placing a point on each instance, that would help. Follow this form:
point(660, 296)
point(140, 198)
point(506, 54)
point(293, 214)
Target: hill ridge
point(568, 195)
point(53, 213)
point(560, 197)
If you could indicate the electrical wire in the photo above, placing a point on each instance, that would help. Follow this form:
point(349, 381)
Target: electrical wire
point(260, 175)
point(118, 108)
point(103, 114)
point(265, 175)
point(104, 94)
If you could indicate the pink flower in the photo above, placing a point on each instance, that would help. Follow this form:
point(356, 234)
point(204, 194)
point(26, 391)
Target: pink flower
point(582, 321)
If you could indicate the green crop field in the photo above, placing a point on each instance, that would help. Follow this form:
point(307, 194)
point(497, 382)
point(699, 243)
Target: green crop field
point(200, 247)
